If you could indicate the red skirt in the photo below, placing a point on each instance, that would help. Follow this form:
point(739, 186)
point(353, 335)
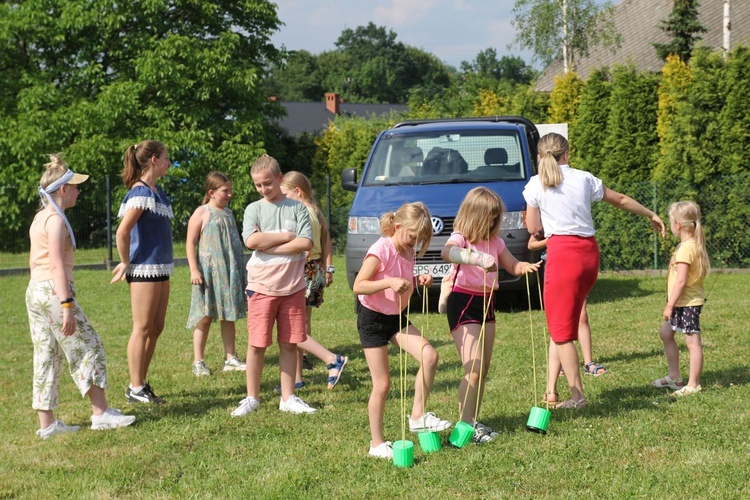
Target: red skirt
point(570, 273)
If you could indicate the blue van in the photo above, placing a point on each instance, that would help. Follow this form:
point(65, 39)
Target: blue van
point(437, 162)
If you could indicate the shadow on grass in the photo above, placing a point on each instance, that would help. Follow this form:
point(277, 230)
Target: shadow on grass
point(611, 289)
point(632, 356)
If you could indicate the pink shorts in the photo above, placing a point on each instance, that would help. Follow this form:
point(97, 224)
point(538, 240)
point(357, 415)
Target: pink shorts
point(287, 311)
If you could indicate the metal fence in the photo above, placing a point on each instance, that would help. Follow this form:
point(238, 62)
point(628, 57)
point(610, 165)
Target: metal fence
point(626, 241)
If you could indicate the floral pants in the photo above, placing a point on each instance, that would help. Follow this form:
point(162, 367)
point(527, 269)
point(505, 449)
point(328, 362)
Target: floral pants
point(83, 350)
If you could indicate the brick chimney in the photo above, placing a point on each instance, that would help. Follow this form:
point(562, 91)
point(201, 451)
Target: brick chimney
point(332, 102)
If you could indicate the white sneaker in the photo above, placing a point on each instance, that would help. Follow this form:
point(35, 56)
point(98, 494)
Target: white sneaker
point(200, 369)
point(247, 405)
point(234, 364)
point(112, 418)
point(295, 405)
point(383, 450)
point(56, 427)
point(429, 423)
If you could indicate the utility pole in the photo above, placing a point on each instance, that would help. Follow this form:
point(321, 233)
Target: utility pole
point(727, 29)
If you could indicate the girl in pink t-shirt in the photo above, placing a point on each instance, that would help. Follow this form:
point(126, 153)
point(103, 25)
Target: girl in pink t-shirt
point(383, 287)
point(476, 250)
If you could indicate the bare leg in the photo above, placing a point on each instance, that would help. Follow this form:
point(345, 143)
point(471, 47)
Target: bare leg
point(695, 347)
point(287, 366)
point(98, 401)
point(256, 359)
point(584, 336)
point(671, 350)
point(46, 418)
point(553, 372)
point(568, 355)
point(228, 336)
point(377, 362)
point(158, 325)
point(419, 348)
point(466, 338)
point(200, 336)
point(149, 305)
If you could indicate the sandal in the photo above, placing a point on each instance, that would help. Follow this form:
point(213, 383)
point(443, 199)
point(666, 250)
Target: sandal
point(550, 397)
point(594, 369)
point(339, 366)
point(570, 404)
point(667, 381)
point(686, 391)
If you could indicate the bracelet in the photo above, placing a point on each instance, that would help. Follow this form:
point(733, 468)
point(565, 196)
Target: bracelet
point(67, 305)
point(69, 300)
point(330, 269)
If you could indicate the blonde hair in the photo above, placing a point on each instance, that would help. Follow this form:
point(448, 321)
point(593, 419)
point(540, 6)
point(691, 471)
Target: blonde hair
point(137, 156)
point(412, 217)
point(550, 148)
point(214, 180)
point(688, 215)
point(266, 163)
point(298, 180)
point(480, 215)
point(55, 169)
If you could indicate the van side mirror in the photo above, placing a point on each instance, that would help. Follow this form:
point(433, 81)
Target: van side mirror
point(349, 179)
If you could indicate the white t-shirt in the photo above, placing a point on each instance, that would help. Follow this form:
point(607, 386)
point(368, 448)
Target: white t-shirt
point(566, 209)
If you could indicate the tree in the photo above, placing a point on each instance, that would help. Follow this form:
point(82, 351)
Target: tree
point(684, 27)
point(369, 65)
point(551, 28)
point(297, 78)
point(91, 78)
point(487, 66)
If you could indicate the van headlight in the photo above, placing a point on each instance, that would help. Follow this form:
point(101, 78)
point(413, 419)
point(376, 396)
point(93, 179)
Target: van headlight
point(364, 225)
point(513, 220)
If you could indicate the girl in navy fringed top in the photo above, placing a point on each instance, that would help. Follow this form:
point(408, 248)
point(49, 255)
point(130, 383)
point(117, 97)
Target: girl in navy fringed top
point(144, 244)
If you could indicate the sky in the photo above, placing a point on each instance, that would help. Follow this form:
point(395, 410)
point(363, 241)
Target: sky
point(452, 30)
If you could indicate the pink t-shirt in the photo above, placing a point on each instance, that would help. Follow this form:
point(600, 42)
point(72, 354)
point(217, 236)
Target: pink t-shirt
point(472, 278)
point(392, 265)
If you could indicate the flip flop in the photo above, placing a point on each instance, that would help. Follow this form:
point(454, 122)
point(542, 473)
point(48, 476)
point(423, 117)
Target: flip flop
point(339, 364)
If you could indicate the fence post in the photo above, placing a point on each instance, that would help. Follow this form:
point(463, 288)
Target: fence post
point(109, 222)
point(656, 236)
point(328, 199)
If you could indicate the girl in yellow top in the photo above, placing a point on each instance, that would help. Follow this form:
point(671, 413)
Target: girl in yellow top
point(685, 297)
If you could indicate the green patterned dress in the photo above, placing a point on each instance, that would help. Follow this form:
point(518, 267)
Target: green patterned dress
point(222, 264)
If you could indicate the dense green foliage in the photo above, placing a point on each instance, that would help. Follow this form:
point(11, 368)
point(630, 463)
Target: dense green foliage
point(590, 130)
point(92, 78)
point(683, 27)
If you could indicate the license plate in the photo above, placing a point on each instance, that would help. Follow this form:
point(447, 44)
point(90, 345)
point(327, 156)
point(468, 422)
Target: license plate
point(436, 270)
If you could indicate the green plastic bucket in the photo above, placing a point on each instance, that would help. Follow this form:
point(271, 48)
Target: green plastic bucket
point(462, 434)
point(538, 420)
point(429, 442)
point(403, 453)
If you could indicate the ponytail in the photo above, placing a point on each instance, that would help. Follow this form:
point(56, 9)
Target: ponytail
point(135, 163)
point(551, 147)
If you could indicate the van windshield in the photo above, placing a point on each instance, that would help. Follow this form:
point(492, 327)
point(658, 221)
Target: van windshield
point(436, 158)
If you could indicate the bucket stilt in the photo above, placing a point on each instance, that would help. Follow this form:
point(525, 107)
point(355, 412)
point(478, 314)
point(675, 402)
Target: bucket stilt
point(429, 442)
point(461, 435)
point(403, 453)
point(538, 420)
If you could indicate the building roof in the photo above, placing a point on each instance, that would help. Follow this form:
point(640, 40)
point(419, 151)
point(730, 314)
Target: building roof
point(639, 24)
point(312, 117)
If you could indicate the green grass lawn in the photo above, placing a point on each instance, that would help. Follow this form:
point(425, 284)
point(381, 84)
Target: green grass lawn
point(631, 440)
